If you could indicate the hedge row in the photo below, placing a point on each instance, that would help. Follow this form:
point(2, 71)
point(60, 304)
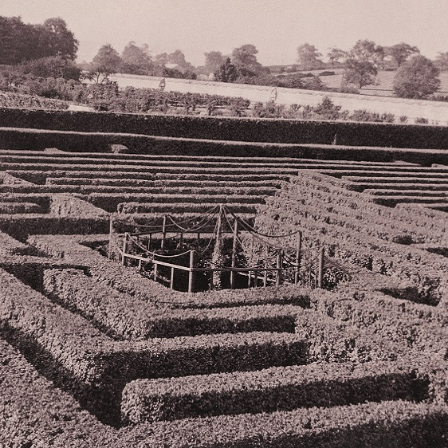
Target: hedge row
point(162, 184)
point(393, 424)
point(10, 246)
point(327, 203)
point(182, 207)
point(35, 413)
point(19, 207)
point(40, 177)
point(427, 201)
point(65, 205)
point(146, 168)
point(8, 155)
point(99, 142)
point(261, 130)
point(128, 281)
point(21, 226)
point(269, 390)
point(122, 316)
point(96, 369)
point(407, 216)
point(405, 325)
point(190, 162)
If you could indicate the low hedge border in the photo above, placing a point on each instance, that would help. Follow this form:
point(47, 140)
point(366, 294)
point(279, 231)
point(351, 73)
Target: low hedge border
point(269, 390)
point(121, 316)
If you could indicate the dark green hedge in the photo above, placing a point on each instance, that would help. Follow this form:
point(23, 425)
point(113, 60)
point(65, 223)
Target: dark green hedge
point(269, 390)
point(240, 129)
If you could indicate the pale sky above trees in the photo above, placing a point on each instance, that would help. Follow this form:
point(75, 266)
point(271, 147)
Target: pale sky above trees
point(275, 27)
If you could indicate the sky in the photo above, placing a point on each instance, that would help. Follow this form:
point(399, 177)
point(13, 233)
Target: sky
point(275, 27)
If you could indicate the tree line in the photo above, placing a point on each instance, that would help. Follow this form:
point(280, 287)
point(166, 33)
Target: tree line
point(49, 50)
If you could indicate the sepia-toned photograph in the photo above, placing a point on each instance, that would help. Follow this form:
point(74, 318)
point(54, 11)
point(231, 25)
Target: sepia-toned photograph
point(223, 224)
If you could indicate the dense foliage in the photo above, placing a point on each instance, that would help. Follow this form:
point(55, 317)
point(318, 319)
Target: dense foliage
point(23, 42)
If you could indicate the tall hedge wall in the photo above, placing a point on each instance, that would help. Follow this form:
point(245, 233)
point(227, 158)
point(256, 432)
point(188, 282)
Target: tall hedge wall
point(239, 129)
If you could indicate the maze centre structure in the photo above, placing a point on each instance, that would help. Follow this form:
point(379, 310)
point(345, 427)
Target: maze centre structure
point(95, 352)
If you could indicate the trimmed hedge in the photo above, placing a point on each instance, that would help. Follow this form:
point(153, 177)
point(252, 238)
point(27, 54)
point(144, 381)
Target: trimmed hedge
point(68, 206)
point(127, 280)
point(19, 207)
point(10, 246)
point(95, 369)
point(35, 413)
point(349, 243)
point(21, 226)
point(269, 390)
point(395, 424)
point(121, 316)
point(35, 139)
point(260, 130)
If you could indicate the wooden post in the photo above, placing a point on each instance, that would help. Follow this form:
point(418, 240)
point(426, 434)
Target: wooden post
point(139, 265)
point(249, 278)
point(234, 246)
point(172, 278)
point(279, 267)
point(149, 241)
point(162, 244)
point(155, 268)
point(191, 273)
point(124, 248)
point(298, 257)
point(111, 232)
point(265, 276)
point(320, 277)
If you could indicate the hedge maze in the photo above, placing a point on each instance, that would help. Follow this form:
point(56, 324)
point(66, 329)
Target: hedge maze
point(92, 353)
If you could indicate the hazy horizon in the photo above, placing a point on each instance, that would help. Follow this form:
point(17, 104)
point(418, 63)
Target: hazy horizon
point(276, 28)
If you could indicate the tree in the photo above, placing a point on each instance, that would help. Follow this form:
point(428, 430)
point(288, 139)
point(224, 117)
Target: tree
point(106, 62)
point(442, 61)
point(18, 41)
point(213, 61)
point(227, 72)
point(136, 60)
point(416, 78)
point(308, 57)
point(56, 40)
point(244, 59)
point(401, 52)
point(361, 62)
point(336, 56)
